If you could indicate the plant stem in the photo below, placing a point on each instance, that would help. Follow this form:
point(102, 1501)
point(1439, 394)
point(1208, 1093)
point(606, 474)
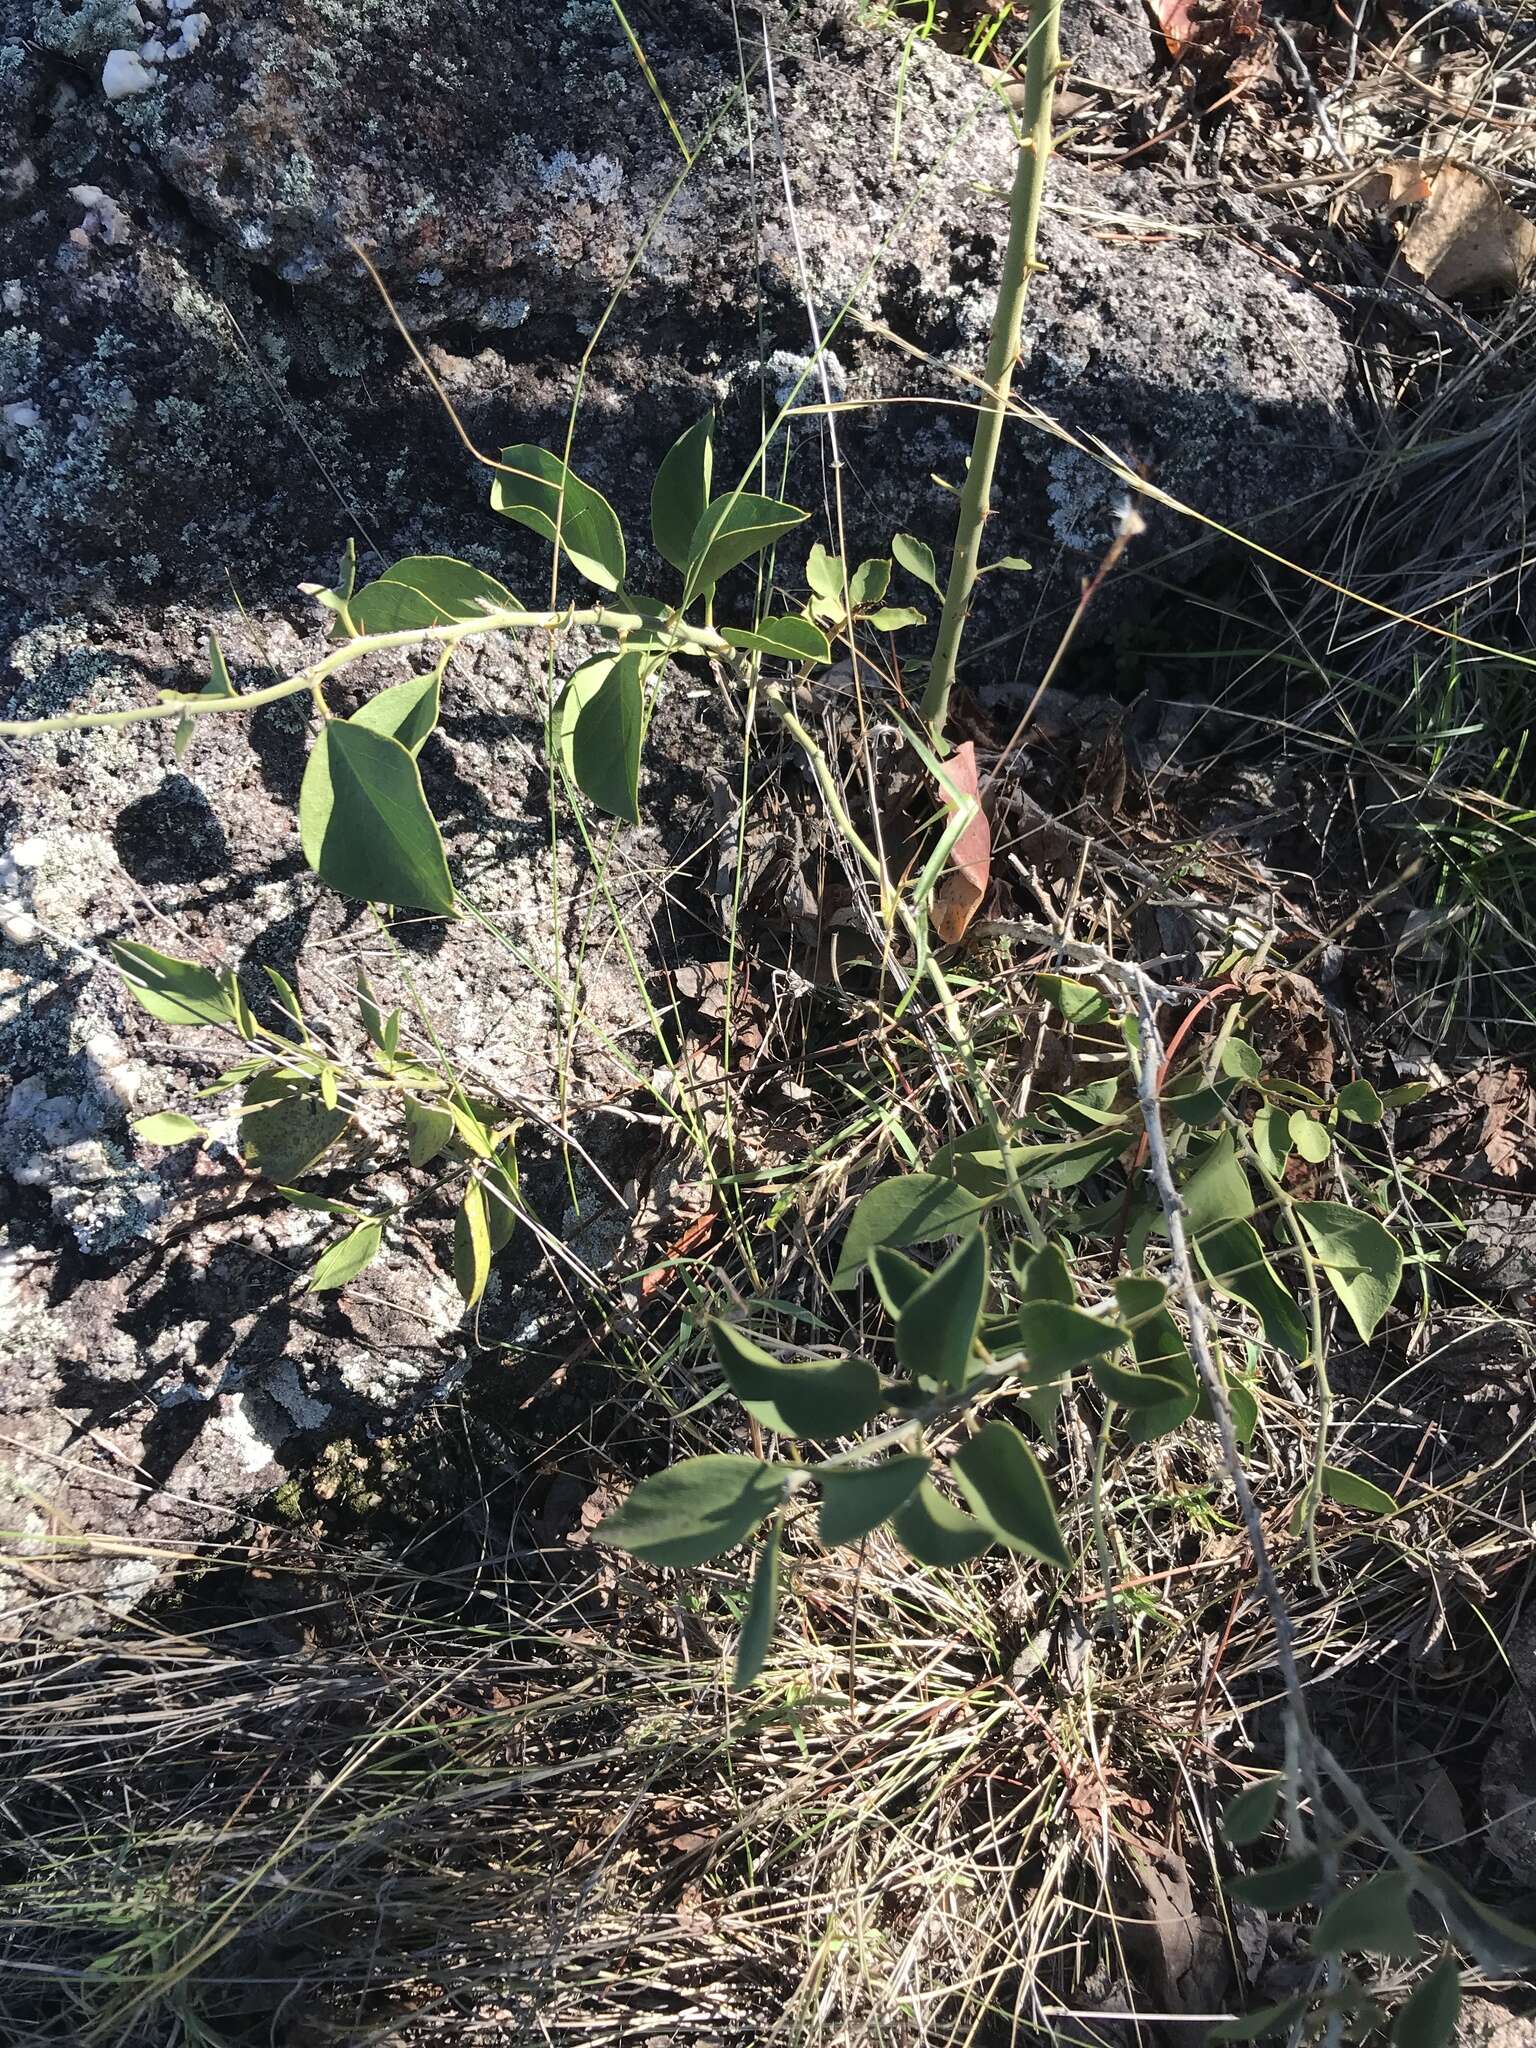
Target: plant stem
point(1034, 154)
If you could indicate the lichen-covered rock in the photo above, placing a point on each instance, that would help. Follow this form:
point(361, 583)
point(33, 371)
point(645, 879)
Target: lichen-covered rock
point(213, 385)
point(1509, 1770)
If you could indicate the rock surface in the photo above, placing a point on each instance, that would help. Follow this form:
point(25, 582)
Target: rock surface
point(1509, 1770)
point(201, 397)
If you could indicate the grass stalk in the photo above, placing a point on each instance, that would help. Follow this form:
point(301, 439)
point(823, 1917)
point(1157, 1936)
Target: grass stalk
point(1033, 157)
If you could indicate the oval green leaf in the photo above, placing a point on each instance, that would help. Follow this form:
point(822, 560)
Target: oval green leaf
point(347, 1257)
point(790, 637)
point(731, 531)
point(537, 490)
point(935, 1531)
point(916, 557)
point(897, 1278)
point(917, 1208)
point(406, 711)
point(1001, 1478)
point(858, 1498)
point(169, 1127)
point(937, 1325)
point(364, 822)
point(1359, 1101)
point(815, 1397)
point(1058, 1337)
point(680, 494)
point(1281, 1888)
point(1363, 1260)
point(1369, 1919)
point(427, 590)
point(1252, 1813)
point(1428, 2019)
point(1141, 1393)
point(1234, 1262)
point(174, 991)
point(605, 738)
point(471, 1245)
point(1351, 1491)
point(283, 1133)
point(428, 1130)
point(695, 1510)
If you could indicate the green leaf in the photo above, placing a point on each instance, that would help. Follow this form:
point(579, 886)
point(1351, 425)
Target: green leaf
point(1078, 1002)
point(762, 1610)
point(790, 637)
point(1311, 1139)
point(1217, 1192)
point(1272, 1137)
point(428, 1130)
point(1369, 1919)
point(818, 1397)
point(427, 590)
point(219, 684)
point(1405, 1093)
point(286, 1132)
point(1142, 1393)
point(1239, 1059)
point(1252, 1812)
point(336, 600)
point(696, 1510)
point(680, 493)
point(732, 530)
point(501, 1200)
point(1351, 1491)
point(858, 1498)
point(283, 990)
point(935, 1531)
point(1014, 562)
point(1160, 1351)
point(1234, 1262)
point(471, 1245)
point(917, 1208)
point(537, 490)
point(897, 1278)
point(869, 583)
point(937, 1325)
point(1001, 1478)
point(894, 618)
point(1428, 2019)
point(364, 822)
point(174, 991)
point(1363, 1260)
point(824, 574)
point(916, 557)
point(1359, 1101)
point(347, 1257)
point(1281, 1888)
point(1058, 1338)
point(1045, 1275)
point(169, 1127)
point(1498, 1944)
point(605, 739)
point(406, 711)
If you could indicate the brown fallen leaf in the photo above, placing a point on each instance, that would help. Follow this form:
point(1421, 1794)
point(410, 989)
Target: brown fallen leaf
point(963, 889)
point(1468, 239)
point(1392, 186)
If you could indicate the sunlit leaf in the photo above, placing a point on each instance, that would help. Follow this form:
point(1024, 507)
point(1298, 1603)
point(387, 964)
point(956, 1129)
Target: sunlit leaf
point(1359, 1101)
point(790, 637)
point(536, 489)
point(680, 494)
point(172, 990)
point(1351, 1491)
point(471, 1245)
point(916, 557)
point(429, 1129)
point(427, 590)
point(1311, 1139)
point(695, 1510)
point(605, 738)
point(169, 1127)
point(406, 711)
point(1058, 1337)
point(1363, 1260)
point(1235, 1263)
point(732, 530)
point(858, 1498)
point(347, 1257)
point(1001, 1478)
point(817, 1397)
point(916, 1208)
point(937, 1324)
point(869, 582)
point(364, 824)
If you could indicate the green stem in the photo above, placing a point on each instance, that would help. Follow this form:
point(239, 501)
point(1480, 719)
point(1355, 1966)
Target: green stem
point(696, 639)
point(1019, 262)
